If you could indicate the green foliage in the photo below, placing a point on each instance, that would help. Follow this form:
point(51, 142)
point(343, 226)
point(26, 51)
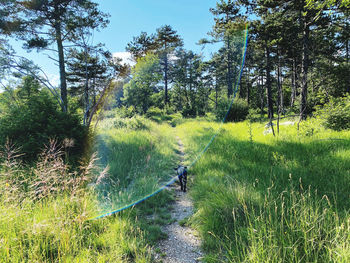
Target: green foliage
point(138, 92)
point(37, 119)
point(336, 113)
point(238, 111)
point(154, 112)
point(254, 115)
point(126, 112)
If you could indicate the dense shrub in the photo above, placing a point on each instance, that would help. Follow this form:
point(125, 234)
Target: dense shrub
point(36, 120)
point(238, 111)
point(126, 112)
point(160, 115)
point(154, 112)
point(254, 115)
point(336, 113)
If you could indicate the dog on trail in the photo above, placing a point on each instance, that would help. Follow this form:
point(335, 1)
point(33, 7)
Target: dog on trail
point(182, 175)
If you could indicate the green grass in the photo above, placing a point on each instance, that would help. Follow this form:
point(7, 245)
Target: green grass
point(59, 228)
point(140, 160)
point(258, 198)
point(265, 199)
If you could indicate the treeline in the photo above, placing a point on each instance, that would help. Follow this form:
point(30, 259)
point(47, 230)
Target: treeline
point(168, 77)
point(297, 60)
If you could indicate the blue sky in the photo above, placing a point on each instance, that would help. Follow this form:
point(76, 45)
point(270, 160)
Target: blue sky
point(190, 18)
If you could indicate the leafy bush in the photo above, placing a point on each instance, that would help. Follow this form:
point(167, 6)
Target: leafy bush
point(137, 123)
point(254, 115)
point(154, 112)
point(336, 113)
point(238, 111)
point(126, 112)
point(36, 120)
point(188, 111)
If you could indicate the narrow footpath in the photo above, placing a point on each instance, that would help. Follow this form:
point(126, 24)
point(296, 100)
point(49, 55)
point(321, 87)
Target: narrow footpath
point(183, 243)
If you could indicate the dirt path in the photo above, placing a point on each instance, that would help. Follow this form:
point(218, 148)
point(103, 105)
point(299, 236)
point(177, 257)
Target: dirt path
point(183, 243)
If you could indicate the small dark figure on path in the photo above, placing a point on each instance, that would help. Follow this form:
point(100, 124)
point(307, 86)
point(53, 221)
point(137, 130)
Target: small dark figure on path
point(182, 175)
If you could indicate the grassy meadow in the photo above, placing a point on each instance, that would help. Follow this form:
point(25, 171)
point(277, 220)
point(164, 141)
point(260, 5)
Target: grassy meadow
point(257, 198)
point(140, 155)
point(260, 198)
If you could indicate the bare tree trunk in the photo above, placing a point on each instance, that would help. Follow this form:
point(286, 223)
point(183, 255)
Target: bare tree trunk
point(279, 92)
point(86, 91)
point(166, 80)
point(248, 87)
point(268, 82)
point(229, 69)
point(304, 69)
point(294, 84)
point(261, 87)
point(61, 62)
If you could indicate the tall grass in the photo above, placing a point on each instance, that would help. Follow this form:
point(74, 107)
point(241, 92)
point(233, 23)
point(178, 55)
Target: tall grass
point(140, 155)
point(265, 199)
point(46, 209)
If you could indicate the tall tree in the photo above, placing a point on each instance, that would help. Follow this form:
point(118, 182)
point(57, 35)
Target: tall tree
point(167, 40)
point(229, 24)
point(50, 24)
point(141, 45)
point(139, 91)
point(190, 95)
point(87, 72)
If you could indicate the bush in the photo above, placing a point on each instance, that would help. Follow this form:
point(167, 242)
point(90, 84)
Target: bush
point(189, 111)
point(138, 123)
point(154, 112)
point(254, 115)
point(238, 111)
point(126, 112)
point(336, 113)
point(35, 121)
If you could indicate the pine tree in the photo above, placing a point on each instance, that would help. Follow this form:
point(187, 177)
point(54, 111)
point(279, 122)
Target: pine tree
point(166, 41)
point(48, 24)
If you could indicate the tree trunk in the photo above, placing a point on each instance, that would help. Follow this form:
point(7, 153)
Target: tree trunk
point(268, 82)
point(261, 86)
point(216, 92)
point(294, 84)
point(166, 80)
point(279, 92)
point(229, 69)
point(61, 63)
point(86, 90)
point(248, 87)
point(347, 51)
point(304, 69)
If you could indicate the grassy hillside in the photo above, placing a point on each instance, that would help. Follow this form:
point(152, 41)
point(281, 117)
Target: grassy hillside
point(266, 199)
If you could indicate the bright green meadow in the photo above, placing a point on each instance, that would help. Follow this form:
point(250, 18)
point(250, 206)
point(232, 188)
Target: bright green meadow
point(257, 198)
point(260, 198)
